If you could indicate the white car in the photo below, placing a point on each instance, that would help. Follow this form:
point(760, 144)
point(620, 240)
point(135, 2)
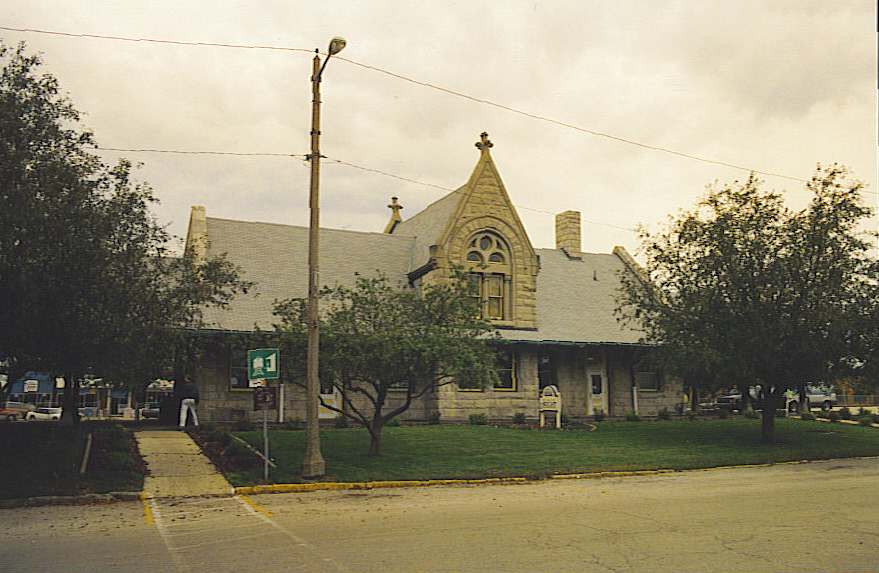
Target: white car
point(823, 397)
point(44, 414)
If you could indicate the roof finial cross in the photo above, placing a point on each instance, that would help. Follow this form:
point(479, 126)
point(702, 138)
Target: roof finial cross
point(396, 219)
point(485, 144)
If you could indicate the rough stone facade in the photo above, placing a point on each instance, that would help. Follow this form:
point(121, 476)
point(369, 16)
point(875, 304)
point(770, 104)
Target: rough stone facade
point(484, 206)
point(553, 307)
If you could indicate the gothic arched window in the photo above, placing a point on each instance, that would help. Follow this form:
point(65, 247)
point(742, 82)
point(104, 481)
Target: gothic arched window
point(489, 260)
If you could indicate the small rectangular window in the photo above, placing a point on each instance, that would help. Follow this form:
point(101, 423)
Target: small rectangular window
point(506, 371)
point(238, 369)
point(597, 385)
point(647, 380)
point(495, 294)
point(476, 295)
point(547, 370)
point(326, 384)
point(488, 294)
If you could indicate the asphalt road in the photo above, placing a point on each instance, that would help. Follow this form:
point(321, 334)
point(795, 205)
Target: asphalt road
point(819, 516)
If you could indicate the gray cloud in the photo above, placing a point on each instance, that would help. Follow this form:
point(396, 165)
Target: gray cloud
point(775, 86)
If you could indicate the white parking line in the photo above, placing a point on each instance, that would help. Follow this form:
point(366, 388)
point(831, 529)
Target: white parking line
point(260, 513)
point(196, 529)
point(159, 522)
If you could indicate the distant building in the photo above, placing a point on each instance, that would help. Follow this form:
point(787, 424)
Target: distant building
point(96, 398)
point(554, 308)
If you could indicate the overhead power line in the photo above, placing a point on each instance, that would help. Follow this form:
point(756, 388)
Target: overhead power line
point(568, 125)
point(423, 84)
point(153, 40)
point(180, 152)
point(339, 162)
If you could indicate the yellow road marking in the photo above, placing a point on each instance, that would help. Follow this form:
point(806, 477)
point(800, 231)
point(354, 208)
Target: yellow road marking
point(147, 511)
point(254, 505)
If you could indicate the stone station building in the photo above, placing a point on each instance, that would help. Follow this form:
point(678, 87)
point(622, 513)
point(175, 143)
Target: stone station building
point(554, 308)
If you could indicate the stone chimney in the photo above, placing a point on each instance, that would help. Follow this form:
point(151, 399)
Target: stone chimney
point(197, 235)
point(567, 233)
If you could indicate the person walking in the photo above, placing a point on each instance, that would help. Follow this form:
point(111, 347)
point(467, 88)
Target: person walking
point(189, 393)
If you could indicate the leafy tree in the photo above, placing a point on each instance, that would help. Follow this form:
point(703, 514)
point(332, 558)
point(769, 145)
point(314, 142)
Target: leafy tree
point(742, 291)
point(87, 283)
point(383, 347)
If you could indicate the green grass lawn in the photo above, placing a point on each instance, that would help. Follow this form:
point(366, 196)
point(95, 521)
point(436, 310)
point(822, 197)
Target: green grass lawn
point(44, 458)
point(470, 452)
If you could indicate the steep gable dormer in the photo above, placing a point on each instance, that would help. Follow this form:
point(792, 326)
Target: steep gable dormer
point(483, 233)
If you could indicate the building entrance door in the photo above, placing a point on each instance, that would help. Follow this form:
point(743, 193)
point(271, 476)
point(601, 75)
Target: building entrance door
point(328, 395)
point(597, 395)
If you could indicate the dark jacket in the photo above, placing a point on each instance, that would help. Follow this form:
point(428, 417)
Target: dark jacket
point(189, 390)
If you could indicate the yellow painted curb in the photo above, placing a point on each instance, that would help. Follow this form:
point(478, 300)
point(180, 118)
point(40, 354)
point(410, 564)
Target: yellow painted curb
point(598, 475)
point(339, 486)
point(334, 486)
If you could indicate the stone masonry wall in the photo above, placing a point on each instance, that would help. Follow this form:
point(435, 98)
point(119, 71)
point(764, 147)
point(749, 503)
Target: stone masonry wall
point(221, 403)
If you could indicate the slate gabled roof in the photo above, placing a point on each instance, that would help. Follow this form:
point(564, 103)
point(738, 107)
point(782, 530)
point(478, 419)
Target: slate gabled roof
point(576, 300)
point(275, 258)
point(427, 226)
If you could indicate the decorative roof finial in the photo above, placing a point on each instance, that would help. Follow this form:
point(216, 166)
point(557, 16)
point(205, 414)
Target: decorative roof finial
point(396, 219)
point(485, 144)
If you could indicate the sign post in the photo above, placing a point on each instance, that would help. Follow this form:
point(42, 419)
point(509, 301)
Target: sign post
point(262, 365)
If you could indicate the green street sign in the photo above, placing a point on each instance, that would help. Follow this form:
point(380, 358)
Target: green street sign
point(262, 364)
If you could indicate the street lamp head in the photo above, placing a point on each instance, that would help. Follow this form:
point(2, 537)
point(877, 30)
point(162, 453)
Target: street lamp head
point(336, 45)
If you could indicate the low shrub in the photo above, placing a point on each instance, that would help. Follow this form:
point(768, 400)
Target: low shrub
point(875, 418)
point(692, 415)
point(393, 423)
point(294, 424)
point(433, 418)
point(751, 414)
point(863, 412)
point(598, 414)
point(566, 419)
point(833, 416)
point(632, 417)
point(340, 422)
point(781, 413)
point(478, 419)
point(218, 435)
point(845, 414)
point(807, 416)
point(723, 413)
point(519, 418)
point(865, 420)
point(664, 414)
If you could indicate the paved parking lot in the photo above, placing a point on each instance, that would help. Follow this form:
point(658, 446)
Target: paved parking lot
point(758, 519)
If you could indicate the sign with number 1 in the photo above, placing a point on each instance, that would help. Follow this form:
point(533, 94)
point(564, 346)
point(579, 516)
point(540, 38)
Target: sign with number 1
point(262, 363)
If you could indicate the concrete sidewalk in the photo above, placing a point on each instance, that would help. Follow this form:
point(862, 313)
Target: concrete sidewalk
point(177, 468)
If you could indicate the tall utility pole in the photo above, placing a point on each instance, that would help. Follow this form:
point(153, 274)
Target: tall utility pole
point(313, 462)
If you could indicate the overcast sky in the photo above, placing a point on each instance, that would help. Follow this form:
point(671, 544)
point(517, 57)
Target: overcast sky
point(768, 85)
